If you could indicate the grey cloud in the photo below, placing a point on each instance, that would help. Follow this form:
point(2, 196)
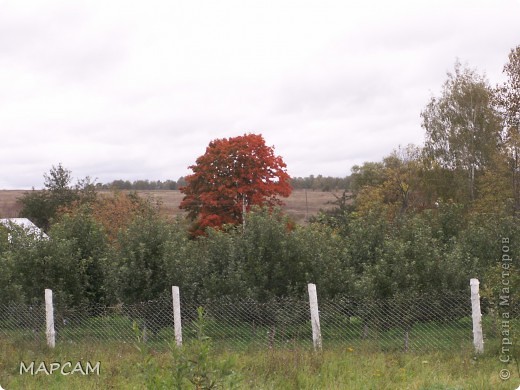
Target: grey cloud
point(64, 42)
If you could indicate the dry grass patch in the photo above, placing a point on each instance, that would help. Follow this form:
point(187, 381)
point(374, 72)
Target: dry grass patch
point(299, 205)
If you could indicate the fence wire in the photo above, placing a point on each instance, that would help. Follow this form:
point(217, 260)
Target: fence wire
point(419, 324)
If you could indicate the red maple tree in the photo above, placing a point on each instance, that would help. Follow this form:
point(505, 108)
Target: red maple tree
point(233, 175)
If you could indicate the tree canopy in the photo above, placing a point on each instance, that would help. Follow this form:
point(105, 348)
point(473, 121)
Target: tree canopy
point(508, 97)
point(233, 175)
point(43, 206)
point(462, 126)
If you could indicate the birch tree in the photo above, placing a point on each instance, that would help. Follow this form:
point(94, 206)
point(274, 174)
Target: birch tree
point(462, 126)
point(508, 98)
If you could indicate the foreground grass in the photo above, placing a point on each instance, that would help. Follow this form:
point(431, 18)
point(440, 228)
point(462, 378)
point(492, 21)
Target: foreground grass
point(124, 367)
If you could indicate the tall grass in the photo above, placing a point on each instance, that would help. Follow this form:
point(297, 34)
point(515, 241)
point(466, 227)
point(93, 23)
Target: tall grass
point(346, 367)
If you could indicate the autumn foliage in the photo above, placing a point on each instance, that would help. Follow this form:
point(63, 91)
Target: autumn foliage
point(234, 174)
point(116, 212)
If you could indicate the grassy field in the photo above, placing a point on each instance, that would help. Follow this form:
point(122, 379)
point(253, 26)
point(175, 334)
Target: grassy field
point(345, 363)
point(123, 366)
point(299, 205)
point(9, 208)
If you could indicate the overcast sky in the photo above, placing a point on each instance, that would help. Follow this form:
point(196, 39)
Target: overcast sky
point(136, 90)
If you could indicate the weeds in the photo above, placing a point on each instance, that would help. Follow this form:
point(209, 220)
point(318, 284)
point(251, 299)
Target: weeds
point(200, 364)
point(192, 366)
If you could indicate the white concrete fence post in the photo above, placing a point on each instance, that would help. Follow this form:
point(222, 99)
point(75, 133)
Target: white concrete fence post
point(177, 315)
point(315, 316)
point(478, 339)
point(49, 319)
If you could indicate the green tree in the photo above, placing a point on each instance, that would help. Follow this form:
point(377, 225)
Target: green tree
point(214, 267)
point(419, 254)
point(337, 217)
point(38, 264)
point(462, 125)
point(41, 207)
point(392, 186)
point(140, 268)
point(369, 174)
point(89, 246)
point(403, 182)
point(10, 291)
point(323, 260)
point(270, 256)
point(37, 207)
point(58, 180)
point(508, 99)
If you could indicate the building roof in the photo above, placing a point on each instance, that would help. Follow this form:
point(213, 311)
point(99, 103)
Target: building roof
point(29, 227)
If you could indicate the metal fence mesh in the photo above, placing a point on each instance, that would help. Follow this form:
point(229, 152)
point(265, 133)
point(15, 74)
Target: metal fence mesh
point(418, 324)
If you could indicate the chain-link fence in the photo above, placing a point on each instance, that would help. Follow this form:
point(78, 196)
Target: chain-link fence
point(427, 323)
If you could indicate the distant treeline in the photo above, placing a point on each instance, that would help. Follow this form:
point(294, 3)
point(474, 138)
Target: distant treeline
point(320, 183)
point(143, 184)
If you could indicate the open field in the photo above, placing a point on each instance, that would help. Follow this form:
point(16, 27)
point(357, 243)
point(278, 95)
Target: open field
point(300, 204)
point(9, 208)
